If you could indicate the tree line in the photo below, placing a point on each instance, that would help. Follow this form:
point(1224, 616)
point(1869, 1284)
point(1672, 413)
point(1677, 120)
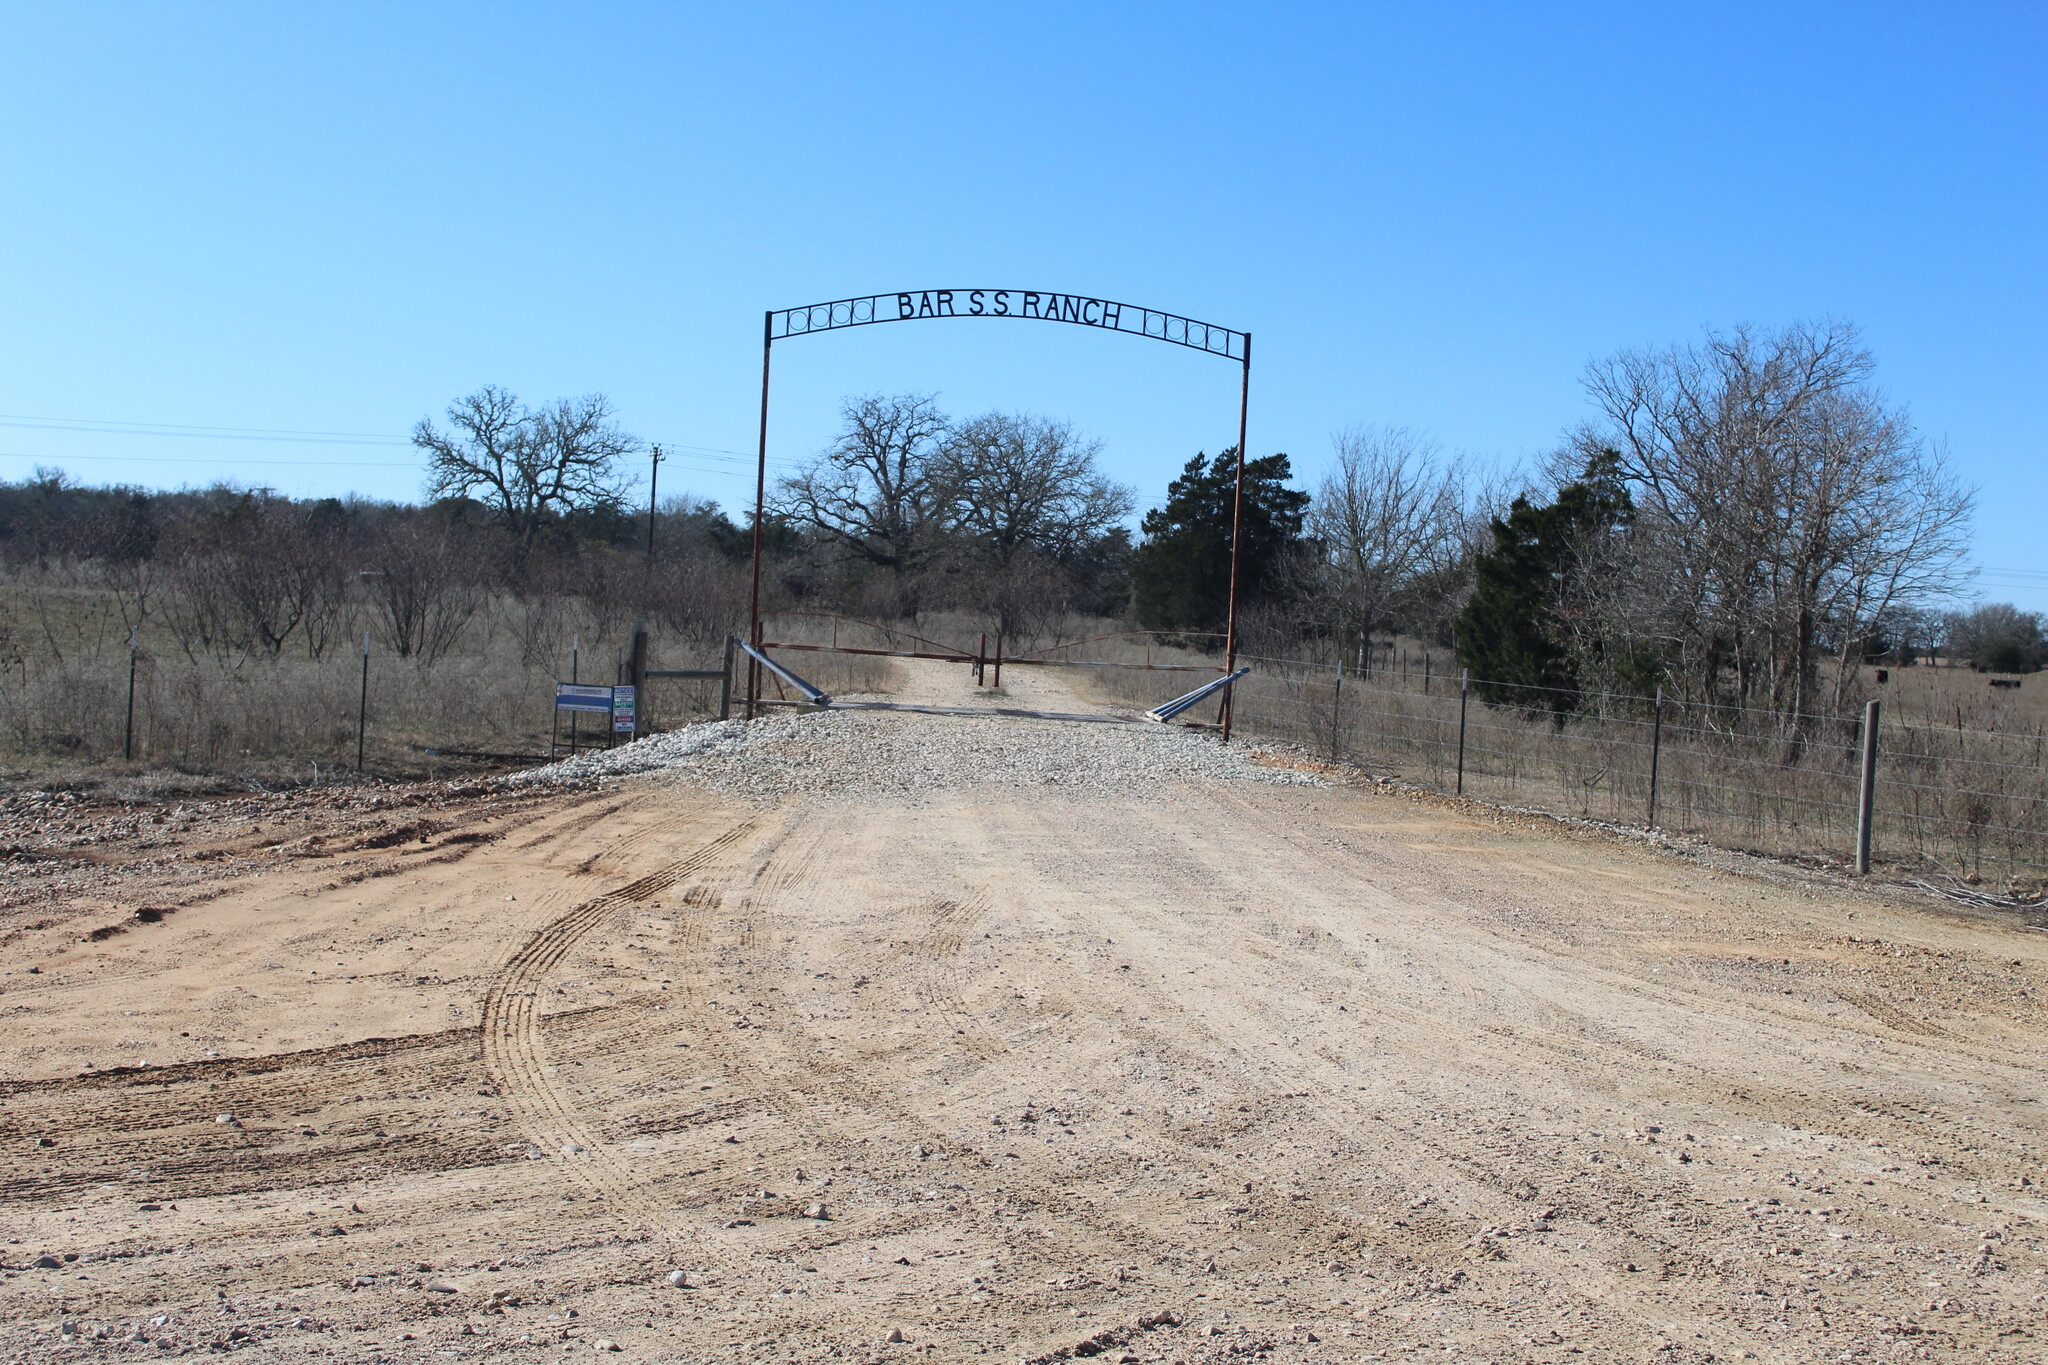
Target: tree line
point(1742, 520)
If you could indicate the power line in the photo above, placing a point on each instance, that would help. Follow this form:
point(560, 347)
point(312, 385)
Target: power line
point(100, 427)
point(360, 438)
point(203, 462)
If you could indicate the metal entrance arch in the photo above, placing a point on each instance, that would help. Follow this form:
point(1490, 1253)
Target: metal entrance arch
point(1030, 305)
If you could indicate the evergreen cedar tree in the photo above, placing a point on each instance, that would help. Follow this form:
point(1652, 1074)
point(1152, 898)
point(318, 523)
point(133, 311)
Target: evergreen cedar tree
point(1509, 634)
point(1180, 575)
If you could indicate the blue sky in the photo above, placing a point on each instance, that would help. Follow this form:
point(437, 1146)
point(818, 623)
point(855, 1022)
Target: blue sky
point(335, 218)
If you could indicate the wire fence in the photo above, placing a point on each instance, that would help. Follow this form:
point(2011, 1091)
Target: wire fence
point(1970, 802)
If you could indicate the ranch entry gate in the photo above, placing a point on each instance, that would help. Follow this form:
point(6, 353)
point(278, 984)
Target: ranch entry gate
point(1032, 305)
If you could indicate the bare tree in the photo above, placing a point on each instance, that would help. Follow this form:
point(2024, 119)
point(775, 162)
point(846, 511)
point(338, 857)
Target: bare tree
point(1781, 505)
point(422, 588)
point(252, 572)
point(1009, 481)
point(872, 491)
point(529, 465)
point(1392, 525)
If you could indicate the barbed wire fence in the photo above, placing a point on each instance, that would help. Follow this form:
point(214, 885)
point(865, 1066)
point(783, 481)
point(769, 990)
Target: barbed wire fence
point(1968, 802)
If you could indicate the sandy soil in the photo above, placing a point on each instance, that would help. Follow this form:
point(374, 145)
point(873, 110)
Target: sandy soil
point(1229, 1071)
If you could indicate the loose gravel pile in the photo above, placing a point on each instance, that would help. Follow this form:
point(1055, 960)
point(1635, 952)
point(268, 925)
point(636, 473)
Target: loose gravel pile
point(868, 753)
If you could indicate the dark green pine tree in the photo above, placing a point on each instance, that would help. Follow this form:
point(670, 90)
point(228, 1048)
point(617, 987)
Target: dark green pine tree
point(1508, 634)
point(1180, 575)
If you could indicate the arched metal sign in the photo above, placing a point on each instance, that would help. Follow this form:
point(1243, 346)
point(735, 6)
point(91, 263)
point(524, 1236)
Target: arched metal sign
point(1032, 305)
point(1029, 304)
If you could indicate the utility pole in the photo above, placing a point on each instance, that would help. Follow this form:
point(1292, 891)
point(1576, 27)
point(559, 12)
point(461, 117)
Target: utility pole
point(653, 474)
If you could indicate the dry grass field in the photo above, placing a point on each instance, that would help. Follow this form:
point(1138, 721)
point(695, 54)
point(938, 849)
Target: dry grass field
point(1193, 1071)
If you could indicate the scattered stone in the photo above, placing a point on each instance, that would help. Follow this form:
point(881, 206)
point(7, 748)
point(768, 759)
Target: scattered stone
point(857, 755)
point(224, 1118)
point(604, 1343)
point(70, 1327)
point(46, 1142)
point(815, 1211)
point(149, 1208)
point(441, 1287)
point(896, 1337)
point(572, 1148)
point(362, 1282)
point(679, 1278)
point(47, 1262)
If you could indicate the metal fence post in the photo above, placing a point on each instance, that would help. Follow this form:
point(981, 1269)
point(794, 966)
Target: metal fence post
point(363, 705)
point(1337, 710)
point(1866, 795)
point(1464, 700)
point(981, 658)
point(999, 662)
point(1656, 751)
point(128, 733)
point(725, 684)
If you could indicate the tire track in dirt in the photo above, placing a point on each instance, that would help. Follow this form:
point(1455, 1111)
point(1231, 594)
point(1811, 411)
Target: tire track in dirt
point(514, 1050)
point(1682, 1082)
point(837, 1106)
point(1338, 1111)
point(160, 1121)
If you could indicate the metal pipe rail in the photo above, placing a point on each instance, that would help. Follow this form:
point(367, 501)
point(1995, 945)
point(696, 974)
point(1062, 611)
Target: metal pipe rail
point(1007, 661)
point(811, 694)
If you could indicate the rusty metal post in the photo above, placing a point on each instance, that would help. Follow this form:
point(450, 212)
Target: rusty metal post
point(575, 675)
point(1656, 753)
point(1464, 700)
point(1337, 709)
point(128, 734)
point(999, 662)
point(363, 705)
point(1244, 399)
point(725, 684)
point(1866, 794)
point(981, 661)
point(760, 512)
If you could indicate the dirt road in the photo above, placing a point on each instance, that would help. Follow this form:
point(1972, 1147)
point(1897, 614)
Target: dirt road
point(1322, 1074)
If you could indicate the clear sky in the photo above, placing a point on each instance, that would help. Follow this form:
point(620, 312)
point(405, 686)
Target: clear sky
point(332, 219)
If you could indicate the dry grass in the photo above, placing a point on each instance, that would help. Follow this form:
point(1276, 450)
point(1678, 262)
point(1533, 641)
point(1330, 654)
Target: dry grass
point(1969, 799)
point(64, 693)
